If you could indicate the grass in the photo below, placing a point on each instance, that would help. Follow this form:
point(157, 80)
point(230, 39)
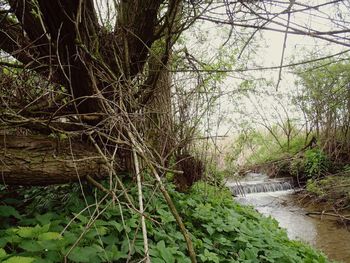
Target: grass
point(267, 149)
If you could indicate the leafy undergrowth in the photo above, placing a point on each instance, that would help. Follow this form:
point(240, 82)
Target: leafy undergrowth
point(334, 190)
point(57, 224)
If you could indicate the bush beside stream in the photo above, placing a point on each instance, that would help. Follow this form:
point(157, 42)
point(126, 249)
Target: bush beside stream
point(43, 230)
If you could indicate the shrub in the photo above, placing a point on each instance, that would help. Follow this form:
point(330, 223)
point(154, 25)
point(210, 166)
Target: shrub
point(316, 163)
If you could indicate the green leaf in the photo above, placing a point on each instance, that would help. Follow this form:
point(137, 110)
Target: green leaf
point(3, 241)
point(209, 256)
point(51, 245)
point(83, 254)
point(165, 253)
point(30, 246)
point(117, 226)
point(49, 236)
point(83, 219)
point(41, 260)
point(69, 238)
point(6, 211)
point(112, 253)
point(27, 232)
point(13, 239)
point(17, 259)
point(51, 257)
point(97, 231)
point(45, 218)
point(158, 260)
point(210, 229)
point(110, 239)
point(32, 232)
point(2, 253)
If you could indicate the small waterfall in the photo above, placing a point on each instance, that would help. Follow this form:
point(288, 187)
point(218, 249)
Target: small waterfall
point(260, 186)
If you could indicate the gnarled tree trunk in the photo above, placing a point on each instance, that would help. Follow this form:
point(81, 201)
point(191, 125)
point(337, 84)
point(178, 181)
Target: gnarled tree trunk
point(107, 75)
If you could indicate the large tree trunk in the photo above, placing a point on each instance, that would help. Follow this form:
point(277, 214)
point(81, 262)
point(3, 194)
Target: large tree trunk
point(63, 40)
point(158, 116)
point(38, 160)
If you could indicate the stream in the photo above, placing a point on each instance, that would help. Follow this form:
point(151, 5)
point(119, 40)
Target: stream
point(275, 198)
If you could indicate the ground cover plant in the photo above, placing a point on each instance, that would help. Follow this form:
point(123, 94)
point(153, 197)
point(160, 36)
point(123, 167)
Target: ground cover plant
point(56, 224)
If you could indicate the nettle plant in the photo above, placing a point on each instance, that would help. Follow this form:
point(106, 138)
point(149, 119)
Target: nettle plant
point(316, 163)
point(98, 231)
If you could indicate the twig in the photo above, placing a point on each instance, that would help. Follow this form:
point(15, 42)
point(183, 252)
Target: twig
point(284, 44)
point(139, 188)
point(168, 199)
point(111, 169)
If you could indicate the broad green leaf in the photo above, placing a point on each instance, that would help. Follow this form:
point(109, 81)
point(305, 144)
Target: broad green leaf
point(117, 226)
point(110, 239)
point(27, 232)
point(17, 259)
point(13, 239)
point(82, 218)
point(83, 254)
point(2, 253)
point(210, 229)
point(46, 260)
point(52, 257)
point(32, 232)
point(3, 241)
point(167, 256)
point(112, 253)
point(69, 238)
point(6, 211)
point(165, 252)
point(30, 246)
point(53, 244)
point(97, 231)
point(157, 260)
point(49, 236)
point(46, 218)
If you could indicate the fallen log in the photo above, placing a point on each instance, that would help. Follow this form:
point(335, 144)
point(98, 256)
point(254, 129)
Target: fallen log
point(40, 160)
point(338, 216)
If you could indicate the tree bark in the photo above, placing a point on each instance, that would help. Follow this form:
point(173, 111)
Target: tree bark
point(39, 160)
point(158, 114)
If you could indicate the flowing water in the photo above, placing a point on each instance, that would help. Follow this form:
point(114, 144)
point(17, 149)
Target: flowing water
point(276, 198)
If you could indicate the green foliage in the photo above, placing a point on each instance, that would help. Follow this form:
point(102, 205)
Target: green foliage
point(332, 189)
point(19, 260)
point(316, 163)
point(346, 168)
point(215, 175)
point(313, 187)
point(221, 230)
